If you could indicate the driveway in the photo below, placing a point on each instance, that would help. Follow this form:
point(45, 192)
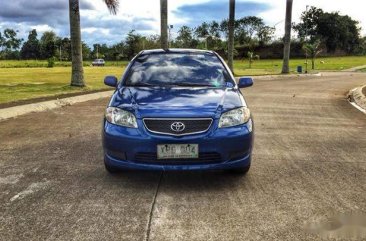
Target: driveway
point(309, 163)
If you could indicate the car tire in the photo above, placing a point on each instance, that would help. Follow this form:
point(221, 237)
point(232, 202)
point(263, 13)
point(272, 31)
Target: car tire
point(240, 170)
point(111, 169)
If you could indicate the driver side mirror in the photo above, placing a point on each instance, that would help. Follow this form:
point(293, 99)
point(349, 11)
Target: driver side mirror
point(111, 81)
point(245, 82)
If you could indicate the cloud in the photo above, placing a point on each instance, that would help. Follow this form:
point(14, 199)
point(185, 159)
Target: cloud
point(218, 10)
point(99, 26)
point(38, 11)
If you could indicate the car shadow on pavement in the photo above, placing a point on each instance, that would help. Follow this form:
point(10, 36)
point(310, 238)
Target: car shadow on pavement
point(182, 180)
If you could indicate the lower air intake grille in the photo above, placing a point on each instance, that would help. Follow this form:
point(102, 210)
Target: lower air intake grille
point(204, 157)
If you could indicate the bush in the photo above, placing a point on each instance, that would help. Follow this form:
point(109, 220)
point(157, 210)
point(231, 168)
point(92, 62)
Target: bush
point(50, 62)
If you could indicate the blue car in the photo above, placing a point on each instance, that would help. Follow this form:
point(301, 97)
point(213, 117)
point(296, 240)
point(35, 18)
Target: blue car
point(177, 109)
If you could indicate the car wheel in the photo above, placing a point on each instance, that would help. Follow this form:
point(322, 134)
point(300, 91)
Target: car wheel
point(111, 169)
point(240, 170)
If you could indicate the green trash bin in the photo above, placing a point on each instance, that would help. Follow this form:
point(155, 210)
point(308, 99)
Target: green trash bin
point(299, 69)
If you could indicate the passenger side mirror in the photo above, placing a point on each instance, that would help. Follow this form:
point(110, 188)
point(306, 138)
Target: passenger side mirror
point(111, 81)
point(245, 82)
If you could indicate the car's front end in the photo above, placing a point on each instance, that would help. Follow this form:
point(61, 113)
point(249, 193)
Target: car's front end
point(172, 127)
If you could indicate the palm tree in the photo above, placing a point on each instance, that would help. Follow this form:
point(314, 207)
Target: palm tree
point(287, 38)
point(164, 24)
point(230, 54)
point(77, 73)
point(312, 50)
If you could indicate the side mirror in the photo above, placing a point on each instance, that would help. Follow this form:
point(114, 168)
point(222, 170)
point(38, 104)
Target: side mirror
point(245, 82)
point(111, 81)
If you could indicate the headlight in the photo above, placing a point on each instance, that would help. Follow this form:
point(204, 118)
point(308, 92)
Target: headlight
point(120, 117)
point(234, 117)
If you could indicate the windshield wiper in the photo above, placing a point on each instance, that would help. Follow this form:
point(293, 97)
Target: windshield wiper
point(192, 84)
point(140, 85)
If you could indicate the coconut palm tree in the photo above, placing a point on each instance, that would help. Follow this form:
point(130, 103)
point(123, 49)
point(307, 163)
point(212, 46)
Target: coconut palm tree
point(287, 38)
point(230, 54)
point(77, 73)
point(164, 24)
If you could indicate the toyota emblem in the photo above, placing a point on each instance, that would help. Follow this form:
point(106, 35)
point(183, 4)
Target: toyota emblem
point(177, 126)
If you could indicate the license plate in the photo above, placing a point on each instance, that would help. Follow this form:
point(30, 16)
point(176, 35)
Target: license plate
point(177, 151)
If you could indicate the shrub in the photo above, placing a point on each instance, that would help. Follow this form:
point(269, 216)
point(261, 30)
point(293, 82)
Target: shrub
point(50, 62)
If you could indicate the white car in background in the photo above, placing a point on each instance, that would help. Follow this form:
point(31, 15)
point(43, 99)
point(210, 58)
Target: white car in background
point(98, 62)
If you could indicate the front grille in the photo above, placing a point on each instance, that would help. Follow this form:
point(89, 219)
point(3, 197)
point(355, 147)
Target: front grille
point(164, 126)
point(203, 157)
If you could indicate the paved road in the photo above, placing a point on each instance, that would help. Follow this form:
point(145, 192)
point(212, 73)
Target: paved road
point(309, 163)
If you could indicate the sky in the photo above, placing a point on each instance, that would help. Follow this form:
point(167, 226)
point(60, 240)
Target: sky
point(99, 26)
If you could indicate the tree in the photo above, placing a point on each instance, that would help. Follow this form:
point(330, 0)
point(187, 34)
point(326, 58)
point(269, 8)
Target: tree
point(265, 34)
point(164, 24)
point(287, 38)
point(48, 44)
point(31, 48)
point(312, 50)
point(63, 49)
point(2, 40)
point(214, 29)
point(9, 44)
point(85, 50)
point(308, 27)
point(77, 73)
point(231, 34)
point(247, 28)
point(334, 30)
point(151, 42)
point(339, 31)
point(185, 38)
point(202, 31)
point(133, 45)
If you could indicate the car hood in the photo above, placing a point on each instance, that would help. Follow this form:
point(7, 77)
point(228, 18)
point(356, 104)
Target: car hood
point(167, 102)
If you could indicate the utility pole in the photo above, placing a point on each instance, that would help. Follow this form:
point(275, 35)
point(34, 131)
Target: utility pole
point(97, 51)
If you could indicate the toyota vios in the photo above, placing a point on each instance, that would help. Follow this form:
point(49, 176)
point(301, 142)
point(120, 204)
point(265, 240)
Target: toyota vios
point(177, 110)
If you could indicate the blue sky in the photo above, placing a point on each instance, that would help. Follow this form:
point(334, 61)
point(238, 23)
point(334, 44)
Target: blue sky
point(98, 26)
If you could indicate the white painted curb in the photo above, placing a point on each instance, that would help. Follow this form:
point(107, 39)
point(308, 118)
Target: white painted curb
point(358, 99)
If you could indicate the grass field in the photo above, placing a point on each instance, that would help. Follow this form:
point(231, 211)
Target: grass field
point(19, 82)
point(44, 63)
point(261, 67)
point(25, 83)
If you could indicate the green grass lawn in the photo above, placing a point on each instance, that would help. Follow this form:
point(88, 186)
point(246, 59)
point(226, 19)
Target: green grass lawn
point(43, 63)
point(263, 67)
point(18, 82)
point(25, 83)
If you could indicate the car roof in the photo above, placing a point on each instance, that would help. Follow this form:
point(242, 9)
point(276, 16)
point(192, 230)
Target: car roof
point(173, 50)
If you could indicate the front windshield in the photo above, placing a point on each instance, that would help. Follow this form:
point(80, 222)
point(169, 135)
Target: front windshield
point(178, 69)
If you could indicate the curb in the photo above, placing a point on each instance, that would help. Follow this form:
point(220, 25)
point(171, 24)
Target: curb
point(357, 98)
point(15, 111)
point(284, 76)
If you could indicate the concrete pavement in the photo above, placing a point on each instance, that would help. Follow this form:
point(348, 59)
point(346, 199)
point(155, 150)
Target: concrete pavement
point(309, 165)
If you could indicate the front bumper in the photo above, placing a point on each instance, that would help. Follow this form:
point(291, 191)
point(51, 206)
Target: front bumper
point(122, 145)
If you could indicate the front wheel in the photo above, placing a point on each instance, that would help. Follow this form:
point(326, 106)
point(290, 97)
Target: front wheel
point(241, 170)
